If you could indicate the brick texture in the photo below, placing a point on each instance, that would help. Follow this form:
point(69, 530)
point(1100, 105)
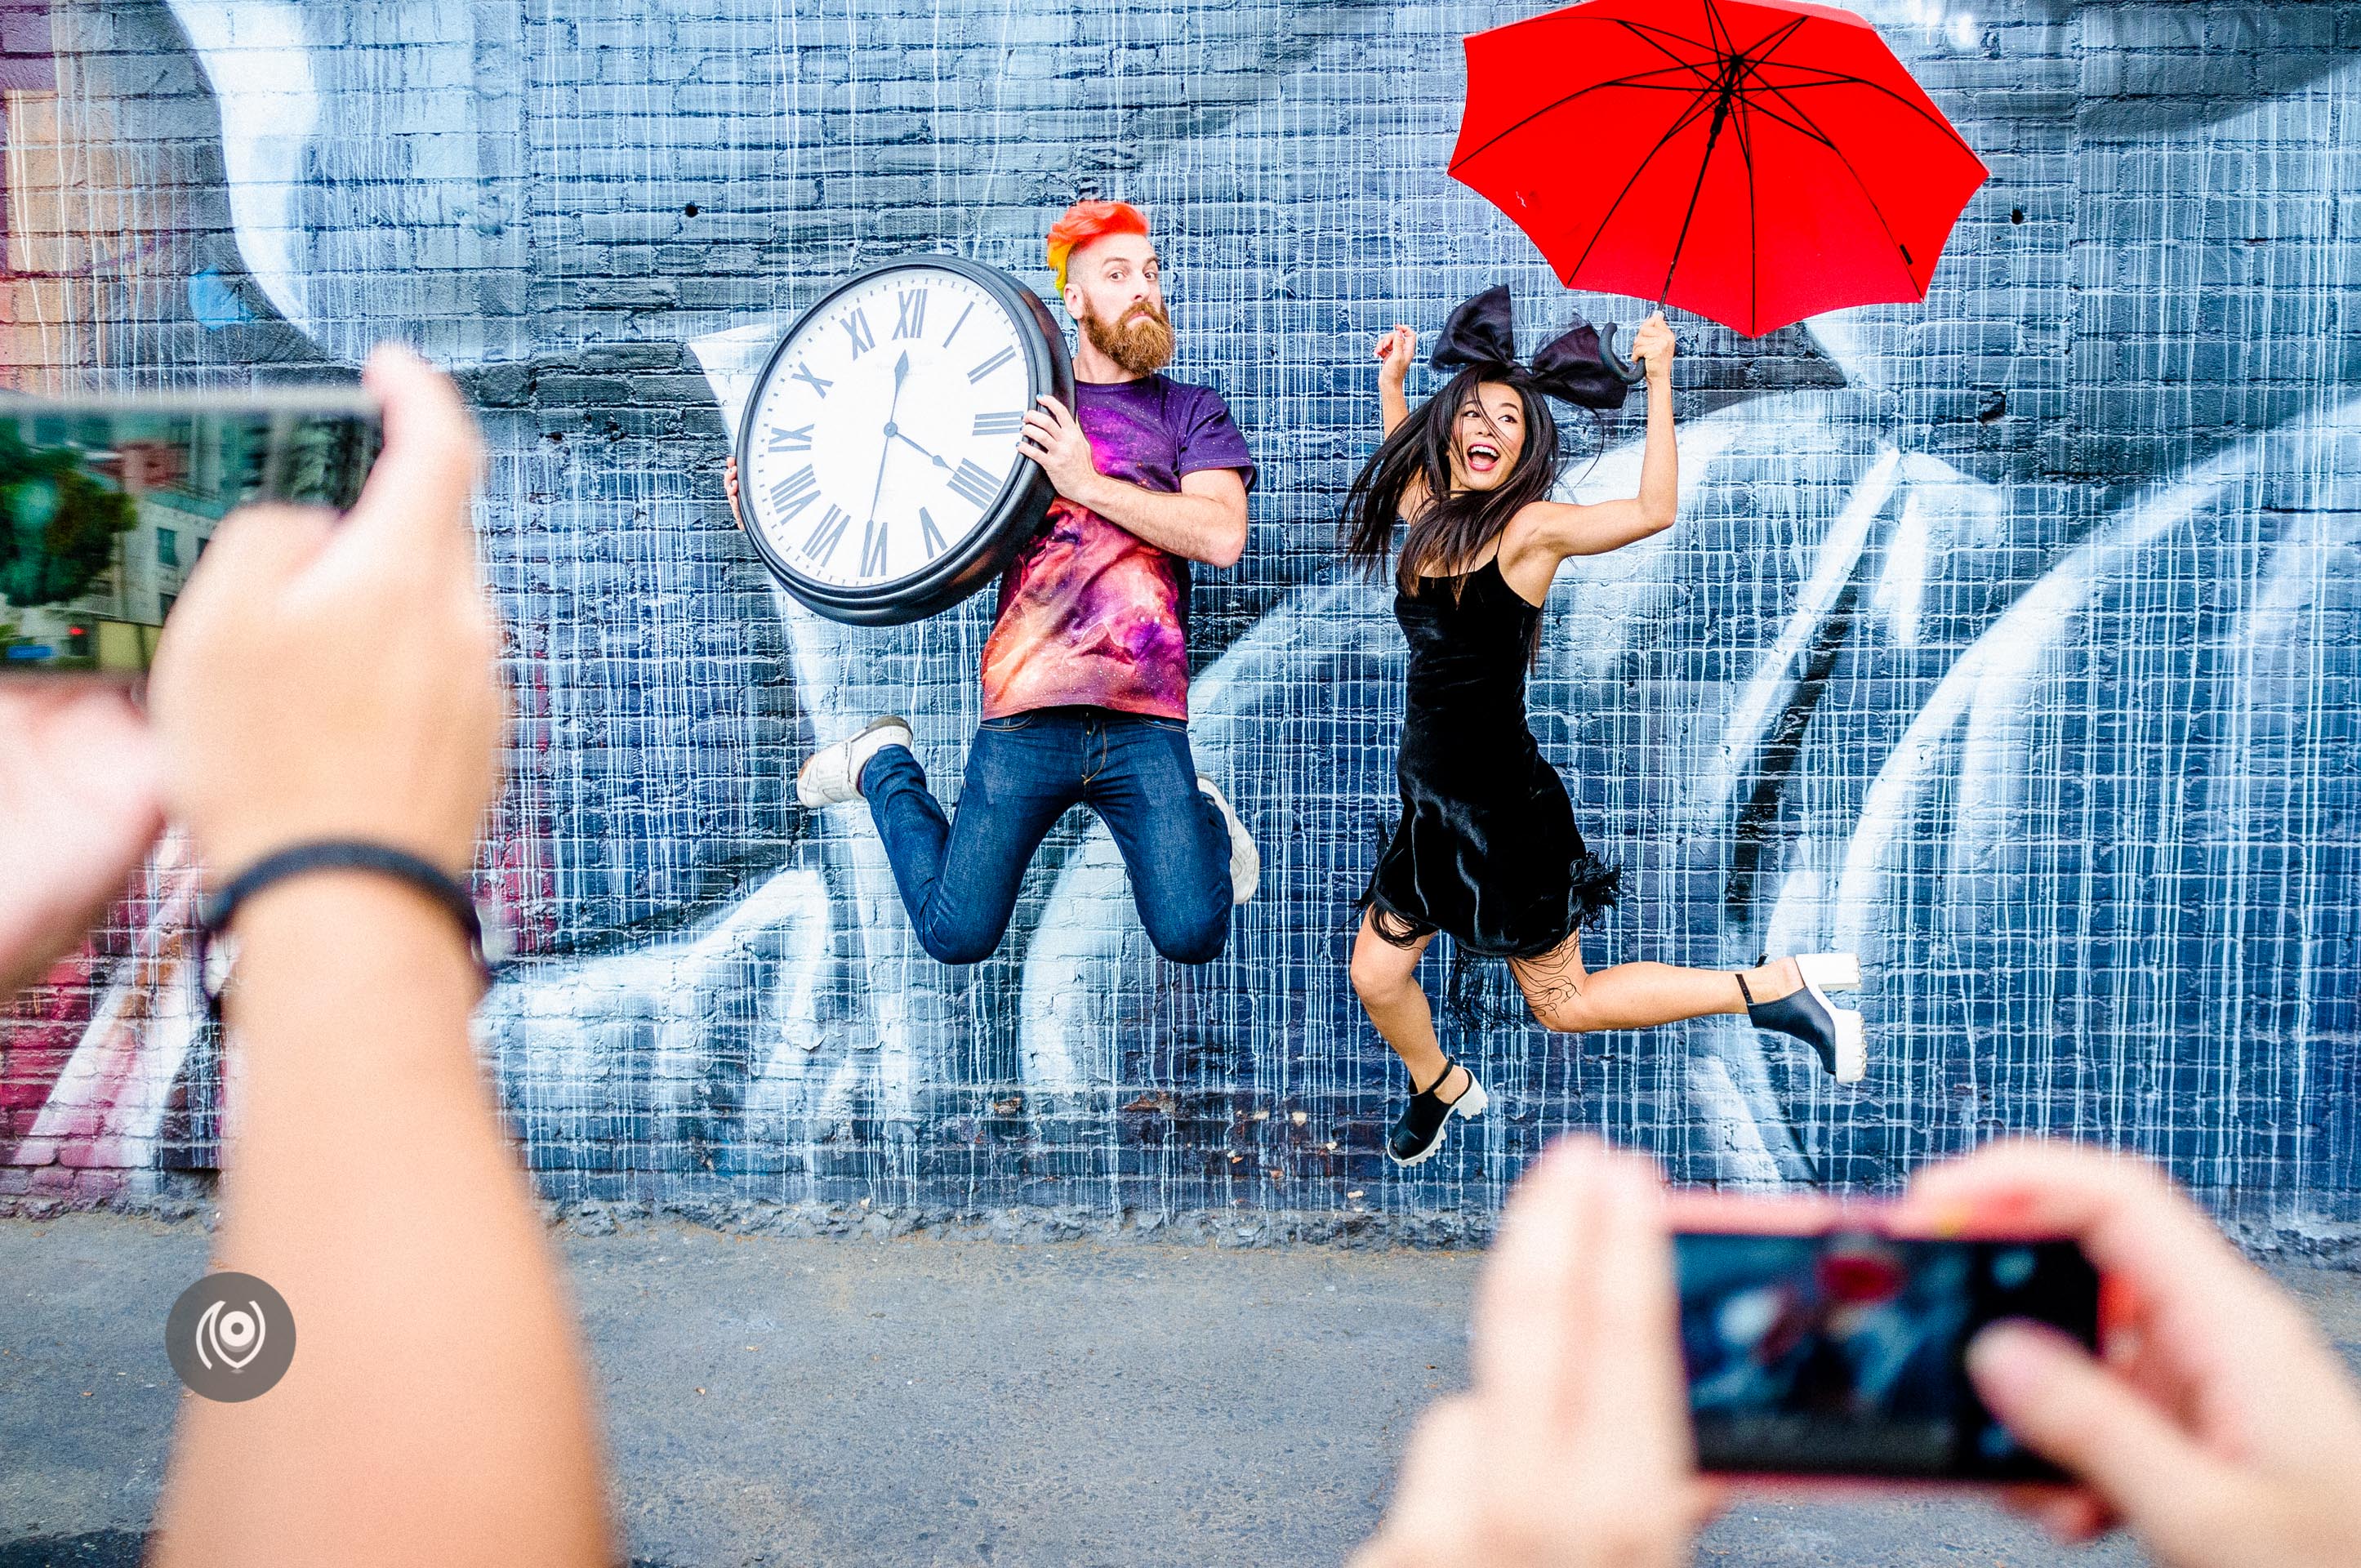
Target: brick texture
point(2013, 638)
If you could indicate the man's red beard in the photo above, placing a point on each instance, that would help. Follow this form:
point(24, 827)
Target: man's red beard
point(1141, 341)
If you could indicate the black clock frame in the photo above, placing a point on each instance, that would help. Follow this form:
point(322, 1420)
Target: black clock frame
point(1014, 513)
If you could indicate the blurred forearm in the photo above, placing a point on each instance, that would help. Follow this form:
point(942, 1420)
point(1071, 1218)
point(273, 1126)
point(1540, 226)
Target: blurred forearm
point(368, 1179)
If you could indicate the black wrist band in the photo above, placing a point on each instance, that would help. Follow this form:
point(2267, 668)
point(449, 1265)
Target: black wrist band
point(215, 911)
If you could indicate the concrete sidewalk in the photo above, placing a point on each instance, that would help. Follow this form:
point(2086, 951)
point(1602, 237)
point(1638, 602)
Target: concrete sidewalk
point(918, 1401)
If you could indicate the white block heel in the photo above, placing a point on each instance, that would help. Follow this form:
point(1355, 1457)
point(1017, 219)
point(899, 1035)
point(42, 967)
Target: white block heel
point(1852, 1045)
point(1830, 971)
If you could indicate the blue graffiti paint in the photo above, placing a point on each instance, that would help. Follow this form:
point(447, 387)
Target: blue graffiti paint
point(214, 302)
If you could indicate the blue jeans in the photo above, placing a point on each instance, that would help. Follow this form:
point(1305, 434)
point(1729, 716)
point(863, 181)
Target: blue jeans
point(958, 879)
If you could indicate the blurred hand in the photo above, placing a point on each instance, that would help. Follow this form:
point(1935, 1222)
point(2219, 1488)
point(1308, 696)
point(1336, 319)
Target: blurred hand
point(1653, 342)
point(337, 680)
point(1573, 1449)
point(2220, 1427)
point(1395, 352)
point(729, 488)
point(79, 807)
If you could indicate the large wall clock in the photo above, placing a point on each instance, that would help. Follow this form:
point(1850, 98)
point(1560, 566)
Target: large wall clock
point(877, 461)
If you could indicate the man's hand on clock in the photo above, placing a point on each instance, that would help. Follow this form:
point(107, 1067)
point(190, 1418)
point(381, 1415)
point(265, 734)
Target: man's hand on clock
point(1054, 439)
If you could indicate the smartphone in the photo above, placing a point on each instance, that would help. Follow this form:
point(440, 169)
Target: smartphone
point(106, 503)
point(1843, 1352)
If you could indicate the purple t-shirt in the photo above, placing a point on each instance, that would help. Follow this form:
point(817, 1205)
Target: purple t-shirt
point(1090, 613)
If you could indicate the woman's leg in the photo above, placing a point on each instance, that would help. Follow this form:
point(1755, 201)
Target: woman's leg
point(1385, 977)
point(1568, 998)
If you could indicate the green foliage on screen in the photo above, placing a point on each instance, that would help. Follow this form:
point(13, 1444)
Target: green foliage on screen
point(58, 525)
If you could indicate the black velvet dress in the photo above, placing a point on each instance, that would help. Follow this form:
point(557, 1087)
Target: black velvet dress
point(1486, 848)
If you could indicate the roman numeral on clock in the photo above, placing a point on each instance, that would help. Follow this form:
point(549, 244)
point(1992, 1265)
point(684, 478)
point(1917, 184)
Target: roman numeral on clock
point(977, 483)
point(999, 424)
point(961, 322)
point(825, 536)
point(933, 535)
point(989, 366)
point(872, 549)
point(912, 319)
point(792, 495)
point(856, 327)
point(816, 383)
point(783, 439)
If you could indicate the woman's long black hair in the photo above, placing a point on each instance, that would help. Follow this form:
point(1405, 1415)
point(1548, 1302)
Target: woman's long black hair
point(1452, 530)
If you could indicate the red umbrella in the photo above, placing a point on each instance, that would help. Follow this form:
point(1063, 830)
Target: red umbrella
point(1756, 161)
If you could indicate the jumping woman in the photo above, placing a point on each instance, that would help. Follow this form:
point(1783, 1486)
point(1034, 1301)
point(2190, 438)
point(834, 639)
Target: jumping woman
point(1486, 848)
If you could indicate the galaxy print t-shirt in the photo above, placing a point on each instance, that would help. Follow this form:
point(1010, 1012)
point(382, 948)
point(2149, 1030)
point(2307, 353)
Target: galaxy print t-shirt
point(1093, 615)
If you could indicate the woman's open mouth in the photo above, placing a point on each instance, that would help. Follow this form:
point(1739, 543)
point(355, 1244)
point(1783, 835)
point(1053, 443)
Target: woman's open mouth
point(1482, 457)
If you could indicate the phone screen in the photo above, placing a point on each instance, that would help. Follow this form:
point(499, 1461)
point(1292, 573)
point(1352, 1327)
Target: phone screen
point(106, 505)
point(1844, 1353)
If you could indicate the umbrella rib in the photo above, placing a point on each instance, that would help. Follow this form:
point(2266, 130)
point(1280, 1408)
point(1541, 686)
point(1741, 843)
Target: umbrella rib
point(1828, 78)
point(1688, 117)
point(1770, 43)
point(1637, 80)
point(1777, 40)
point(1810, 132)
point(1732, 72)
point(1737, 64)
point(1652, 35)
point(1859, 183)
point(1753, 222)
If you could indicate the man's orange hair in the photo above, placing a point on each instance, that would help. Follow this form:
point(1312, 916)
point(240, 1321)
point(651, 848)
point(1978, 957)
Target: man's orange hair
point(1087, 221)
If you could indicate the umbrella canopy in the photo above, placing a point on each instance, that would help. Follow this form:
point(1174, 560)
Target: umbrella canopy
point(1756, 161)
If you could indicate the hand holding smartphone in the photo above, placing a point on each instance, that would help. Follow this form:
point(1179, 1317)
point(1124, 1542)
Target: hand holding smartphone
point(2214, 1420)
point(105, 506)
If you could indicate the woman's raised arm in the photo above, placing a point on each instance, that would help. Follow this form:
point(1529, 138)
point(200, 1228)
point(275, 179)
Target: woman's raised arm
point(1395, 351)
point(1556, 530)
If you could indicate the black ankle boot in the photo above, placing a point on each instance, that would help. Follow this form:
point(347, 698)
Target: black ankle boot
point(1417, 1132)
point(1834, 1032)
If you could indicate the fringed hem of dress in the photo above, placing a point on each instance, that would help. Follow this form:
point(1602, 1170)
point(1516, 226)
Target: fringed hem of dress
point(1480, 992)
point(1594, 888)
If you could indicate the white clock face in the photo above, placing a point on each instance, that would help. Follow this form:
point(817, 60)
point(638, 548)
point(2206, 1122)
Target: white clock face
point(887, 428)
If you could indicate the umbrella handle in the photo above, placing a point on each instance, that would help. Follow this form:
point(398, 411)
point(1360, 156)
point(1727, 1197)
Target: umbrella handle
point(1633, 371)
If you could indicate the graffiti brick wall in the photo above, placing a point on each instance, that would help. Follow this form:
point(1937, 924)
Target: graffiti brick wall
point(2014, 639)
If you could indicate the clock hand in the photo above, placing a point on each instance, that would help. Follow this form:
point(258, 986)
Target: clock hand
point(922, 451)
point(901, 373)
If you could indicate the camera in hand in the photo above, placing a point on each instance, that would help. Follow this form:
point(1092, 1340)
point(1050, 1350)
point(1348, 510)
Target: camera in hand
point(1843, 1353)
point(106, 503)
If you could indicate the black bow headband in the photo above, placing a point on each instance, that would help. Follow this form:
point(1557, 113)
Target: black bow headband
point(1482, 334)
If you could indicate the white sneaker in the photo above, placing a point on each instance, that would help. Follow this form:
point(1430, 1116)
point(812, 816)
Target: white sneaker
point(832, 777)
point(1246, 861)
